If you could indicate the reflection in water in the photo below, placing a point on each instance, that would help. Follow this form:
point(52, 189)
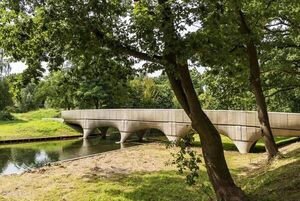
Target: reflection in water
point(20, 157)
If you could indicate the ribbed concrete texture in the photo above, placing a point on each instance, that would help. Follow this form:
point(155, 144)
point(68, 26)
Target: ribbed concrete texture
point(242, 127)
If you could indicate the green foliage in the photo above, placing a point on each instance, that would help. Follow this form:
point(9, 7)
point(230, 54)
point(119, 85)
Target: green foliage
point(147, 92)
point(186, 159)
point(58, 89)
point(5, 116)
point(88, 87)
point(60, 31)
point(28, 100)
point(5, 96)
point(273, 30)
point(156, 31)
point(25, 96)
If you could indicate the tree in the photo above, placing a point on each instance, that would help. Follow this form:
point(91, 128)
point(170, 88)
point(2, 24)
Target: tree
point(59, 89)
point(155, 36)
point(5, 96)
point(255, 82)
point(102, 80)
point(241, 41)
point(226, 90)
point(275, 33)
point(147, 92)
point(28, 100)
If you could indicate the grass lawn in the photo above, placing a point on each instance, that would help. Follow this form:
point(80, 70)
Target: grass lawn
point(31, 125)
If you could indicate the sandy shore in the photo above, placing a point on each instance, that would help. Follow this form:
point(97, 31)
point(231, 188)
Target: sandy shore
point(65, 177)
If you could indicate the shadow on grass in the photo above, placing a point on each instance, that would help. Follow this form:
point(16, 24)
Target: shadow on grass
point(166, 186)
point(257, 147)
point(280, 141)
point(282, 183)
point(15, 121)
point(75, 127)
point(287, 141)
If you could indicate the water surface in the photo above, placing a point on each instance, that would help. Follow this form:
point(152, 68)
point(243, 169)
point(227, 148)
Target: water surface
point(16, 158)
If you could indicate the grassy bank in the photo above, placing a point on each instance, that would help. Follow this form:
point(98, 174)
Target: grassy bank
point(32, 125)
point(140, 173)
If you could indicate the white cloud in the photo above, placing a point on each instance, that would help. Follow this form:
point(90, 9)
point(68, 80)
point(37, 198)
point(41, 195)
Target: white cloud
point(17, 67)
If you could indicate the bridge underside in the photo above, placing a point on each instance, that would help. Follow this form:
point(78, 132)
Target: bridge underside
point(241, 127)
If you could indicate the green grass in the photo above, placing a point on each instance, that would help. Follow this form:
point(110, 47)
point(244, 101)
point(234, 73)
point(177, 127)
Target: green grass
point(279, 180)
point(37, 114)
point(31, 125)
point(163, 185)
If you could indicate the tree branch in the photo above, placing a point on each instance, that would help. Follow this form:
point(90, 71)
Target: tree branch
point(116, 45)
point(282, 90)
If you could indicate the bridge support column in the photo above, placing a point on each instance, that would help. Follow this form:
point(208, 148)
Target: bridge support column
point(87, 132)
point(124, 136)
point(243, 146)
point(173, 138)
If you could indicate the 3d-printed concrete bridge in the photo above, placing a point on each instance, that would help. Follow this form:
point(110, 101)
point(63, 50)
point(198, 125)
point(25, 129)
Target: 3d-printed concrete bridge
point(242, 127)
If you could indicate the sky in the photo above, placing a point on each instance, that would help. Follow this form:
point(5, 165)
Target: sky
point(17, 67)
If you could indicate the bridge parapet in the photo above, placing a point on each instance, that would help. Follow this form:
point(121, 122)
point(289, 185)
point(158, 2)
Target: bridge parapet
point(240, 126)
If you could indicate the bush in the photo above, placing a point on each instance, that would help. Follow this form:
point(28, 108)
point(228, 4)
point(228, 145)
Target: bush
point(5, 116)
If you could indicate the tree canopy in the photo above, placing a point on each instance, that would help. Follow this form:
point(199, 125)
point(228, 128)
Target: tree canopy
point(102, 38)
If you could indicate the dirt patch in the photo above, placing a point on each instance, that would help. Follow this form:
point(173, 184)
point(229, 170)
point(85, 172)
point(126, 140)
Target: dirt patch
point(143, 158)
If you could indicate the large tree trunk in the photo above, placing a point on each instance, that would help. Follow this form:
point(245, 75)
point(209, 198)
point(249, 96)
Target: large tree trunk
point(178, 73)
point(212, 148)
point(255, 83)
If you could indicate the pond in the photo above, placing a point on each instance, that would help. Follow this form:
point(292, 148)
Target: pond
point(17, 158)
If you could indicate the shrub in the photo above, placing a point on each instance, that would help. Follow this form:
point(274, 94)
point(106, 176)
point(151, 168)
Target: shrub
point(5, 116)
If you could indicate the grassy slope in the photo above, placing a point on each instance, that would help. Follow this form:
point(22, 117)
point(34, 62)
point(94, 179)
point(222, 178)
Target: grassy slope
point(279, 180)
point(31, 125)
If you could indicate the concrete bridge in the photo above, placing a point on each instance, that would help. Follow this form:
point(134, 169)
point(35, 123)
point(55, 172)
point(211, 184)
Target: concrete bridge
point(242, 127)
